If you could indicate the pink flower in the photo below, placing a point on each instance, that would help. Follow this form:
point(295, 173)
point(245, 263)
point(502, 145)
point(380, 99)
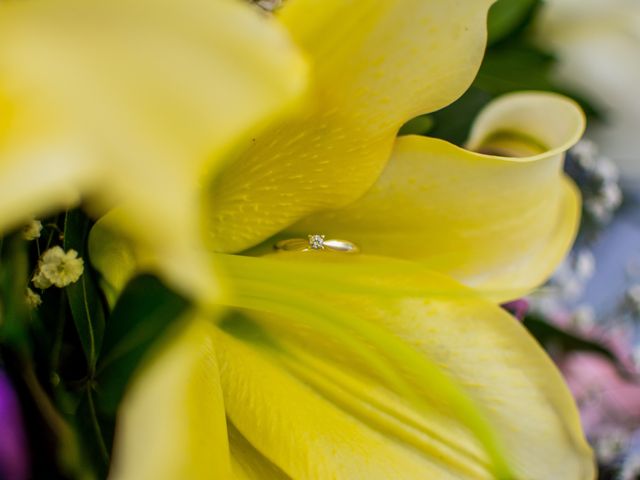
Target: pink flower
point(608, 394)
point(605, 398)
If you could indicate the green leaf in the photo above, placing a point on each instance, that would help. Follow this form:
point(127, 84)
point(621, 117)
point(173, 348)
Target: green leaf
point(95, 431)
point(515, 66)
point(507, 67)
point(13, 284)
point(454, 122)
point(565, 341)
point(417, 126)
point(518, 65)
point(507, 17)
point(143, 312)
point(87, 307)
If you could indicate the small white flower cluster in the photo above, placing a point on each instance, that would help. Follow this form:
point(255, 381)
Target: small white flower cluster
point(633, 298)
point(32, 299)
point(571, 277)
point(32, 230)
point(631, 467)
point(566, 286)
point(583, 318)
point(610, 445)
point(599, 181)
point(59, 268)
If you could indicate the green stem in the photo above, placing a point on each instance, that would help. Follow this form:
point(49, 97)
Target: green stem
point(104, 452)
point(59, 334)
point(68, 455)
point(54, 228)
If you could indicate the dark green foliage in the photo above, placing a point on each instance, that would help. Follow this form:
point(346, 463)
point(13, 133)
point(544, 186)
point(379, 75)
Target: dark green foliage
point(507, 17)
point(143, 312)
point(87, 307)
point(71, 358)
point(560, 342)
point(13, 281)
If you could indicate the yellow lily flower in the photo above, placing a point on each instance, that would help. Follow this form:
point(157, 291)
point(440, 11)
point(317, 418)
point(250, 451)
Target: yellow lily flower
point(293, 407)
point(325, 365)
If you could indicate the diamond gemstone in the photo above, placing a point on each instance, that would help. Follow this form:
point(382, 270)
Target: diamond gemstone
point(316, 242)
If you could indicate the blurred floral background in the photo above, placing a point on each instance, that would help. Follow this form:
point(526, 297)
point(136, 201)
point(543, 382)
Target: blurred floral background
point(587, 316)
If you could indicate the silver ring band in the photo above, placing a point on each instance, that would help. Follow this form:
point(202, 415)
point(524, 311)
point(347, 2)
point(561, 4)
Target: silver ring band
point(316, 242)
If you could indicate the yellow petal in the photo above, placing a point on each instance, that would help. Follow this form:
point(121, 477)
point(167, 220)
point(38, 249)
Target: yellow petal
point(500, 224)
point(133, 102)
point(114, 258)
point(317, 411)
point(247, 463)
point(301, 431)
point(171, 423)
point(377, 64)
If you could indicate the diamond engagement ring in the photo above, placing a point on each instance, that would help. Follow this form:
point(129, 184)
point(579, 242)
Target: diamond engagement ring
point(316, 242)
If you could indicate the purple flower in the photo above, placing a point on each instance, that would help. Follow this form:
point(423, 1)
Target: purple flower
point(517, 308)
point(14, 463)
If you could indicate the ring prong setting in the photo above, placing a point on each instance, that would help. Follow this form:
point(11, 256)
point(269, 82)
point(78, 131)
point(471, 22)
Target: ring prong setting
point(316, 242)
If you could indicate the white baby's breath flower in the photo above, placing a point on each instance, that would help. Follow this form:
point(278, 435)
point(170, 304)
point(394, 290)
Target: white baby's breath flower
point(633, 299)
point(59, 268)
point(32, 298)
point(609, 446)
point(584, 317)
point(631, 467)
point(585, 264)
point(32, 230)
point(606, 170)
point(40, 281)
point(585, 153)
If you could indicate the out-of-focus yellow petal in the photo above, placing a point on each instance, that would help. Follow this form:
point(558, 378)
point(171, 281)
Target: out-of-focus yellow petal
point(377, 64)
point(247, 463)
point(135, 103)
point(114, 257)
point(318, 410)
point(498, 223)
point(171, 424)
point(40, 167)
